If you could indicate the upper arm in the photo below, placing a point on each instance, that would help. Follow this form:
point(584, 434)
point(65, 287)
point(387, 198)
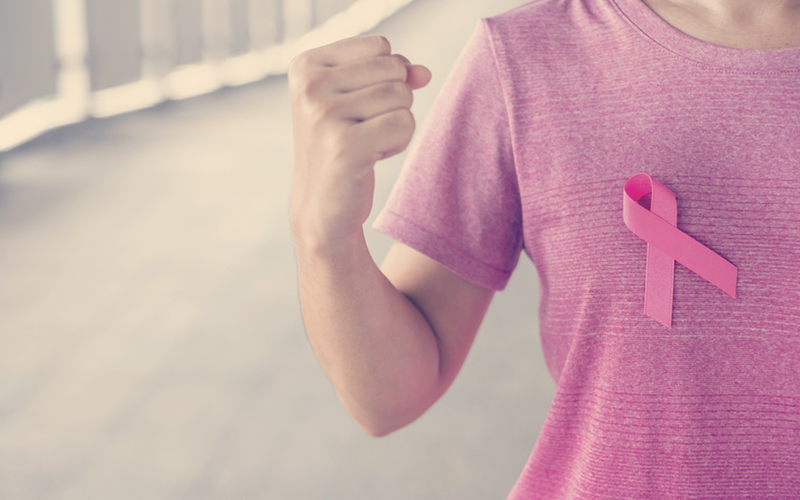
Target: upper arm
point(453, 306)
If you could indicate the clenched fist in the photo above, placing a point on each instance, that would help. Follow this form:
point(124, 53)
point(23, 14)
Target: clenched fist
point(351, 105)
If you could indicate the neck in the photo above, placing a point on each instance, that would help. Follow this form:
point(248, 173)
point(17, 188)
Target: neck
point(746, 24)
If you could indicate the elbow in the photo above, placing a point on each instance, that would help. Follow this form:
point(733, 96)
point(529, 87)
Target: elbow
point(381, 416)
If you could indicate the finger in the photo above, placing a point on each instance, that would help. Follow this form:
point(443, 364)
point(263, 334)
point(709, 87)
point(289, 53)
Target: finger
point(376, 100)
point(368, 72)
point(351, 49)
point(386, 134)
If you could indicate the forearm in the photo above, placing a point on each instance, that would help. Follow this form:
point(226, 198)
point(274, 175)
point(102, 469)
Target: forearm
point(351, 105)
point(377, 348)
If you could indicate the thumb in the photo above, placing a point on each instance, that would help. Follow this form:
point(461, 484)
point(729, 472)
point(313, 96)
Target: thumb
point(418, 76)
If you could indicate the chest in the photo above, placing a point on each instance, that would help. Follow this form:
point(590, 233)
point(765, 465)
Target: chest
point(732, 160)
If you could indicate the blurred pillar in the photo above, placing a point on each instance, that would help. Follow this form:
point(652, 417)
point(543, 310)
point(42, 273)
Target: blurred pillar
point(298, 18)
point(266, 23)
point(115, 50)
point(158, 37)
point(326, 9)
point(239, 39)
point(27, 52)
point(188, 25)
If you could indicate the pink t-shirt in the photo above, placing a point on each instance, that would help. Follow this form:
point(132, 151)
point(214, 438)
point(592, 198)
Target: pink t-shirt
point(549, 110)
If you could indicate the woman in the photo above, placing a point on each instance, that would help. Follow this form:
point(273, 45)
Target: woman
point(551, 108)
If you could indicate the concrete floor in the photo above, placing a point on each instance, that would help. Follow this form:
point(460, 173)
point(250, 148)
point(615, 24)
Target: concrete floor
point(151, 345)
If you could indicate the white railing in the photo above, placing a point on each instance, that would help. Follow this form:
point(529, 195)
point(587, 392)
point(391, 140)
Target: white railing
point(184, 47)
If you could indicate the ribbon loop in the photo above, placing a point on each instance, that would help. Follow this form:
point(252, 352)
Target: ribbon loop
point(667, 244)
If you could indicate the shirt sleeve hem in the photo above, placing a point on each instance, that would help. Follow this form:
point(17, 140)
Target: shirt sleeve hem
point(441, 250)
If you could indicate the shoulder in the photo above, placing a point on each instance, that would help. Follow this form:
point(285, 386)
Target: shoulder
point(535, 11)
point(554, 14)
point(549, 24)
point(544, 42)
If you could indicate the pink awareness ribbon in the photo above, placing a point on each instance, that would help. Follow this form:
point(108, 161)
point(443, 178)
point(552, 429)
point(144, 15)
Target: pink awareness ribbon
point(667, 244)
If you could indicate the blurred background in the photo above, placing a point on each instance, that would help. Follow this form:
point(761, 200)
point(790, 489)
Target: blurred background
point(151, 344)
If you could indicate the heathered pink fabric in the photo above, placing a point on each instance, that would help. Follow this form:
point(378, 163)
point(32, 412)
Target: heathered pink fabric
point(550, 109)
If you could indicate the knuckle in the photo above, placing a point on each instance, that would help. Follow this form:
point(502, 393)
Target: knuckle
point(295, 79)
point(393, 90)
point(313, 84)
point(316, 112)
point(396, 65)
point(387, 90)
point(307, 84)
point(321, 112)
point(400, 88)
point(402, 120)
point(294, 66)
point(296, 86)
point(380, 42)
point(407, 118)
point(300, 62)
point(406, 95)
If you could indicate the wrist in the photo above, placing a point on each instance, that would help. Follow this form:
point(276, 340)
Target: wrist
point(314, 238)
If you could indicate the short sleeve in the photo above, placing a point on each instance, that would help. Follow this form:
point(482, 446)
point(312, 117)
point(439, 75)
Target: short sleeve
point(457, 199)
